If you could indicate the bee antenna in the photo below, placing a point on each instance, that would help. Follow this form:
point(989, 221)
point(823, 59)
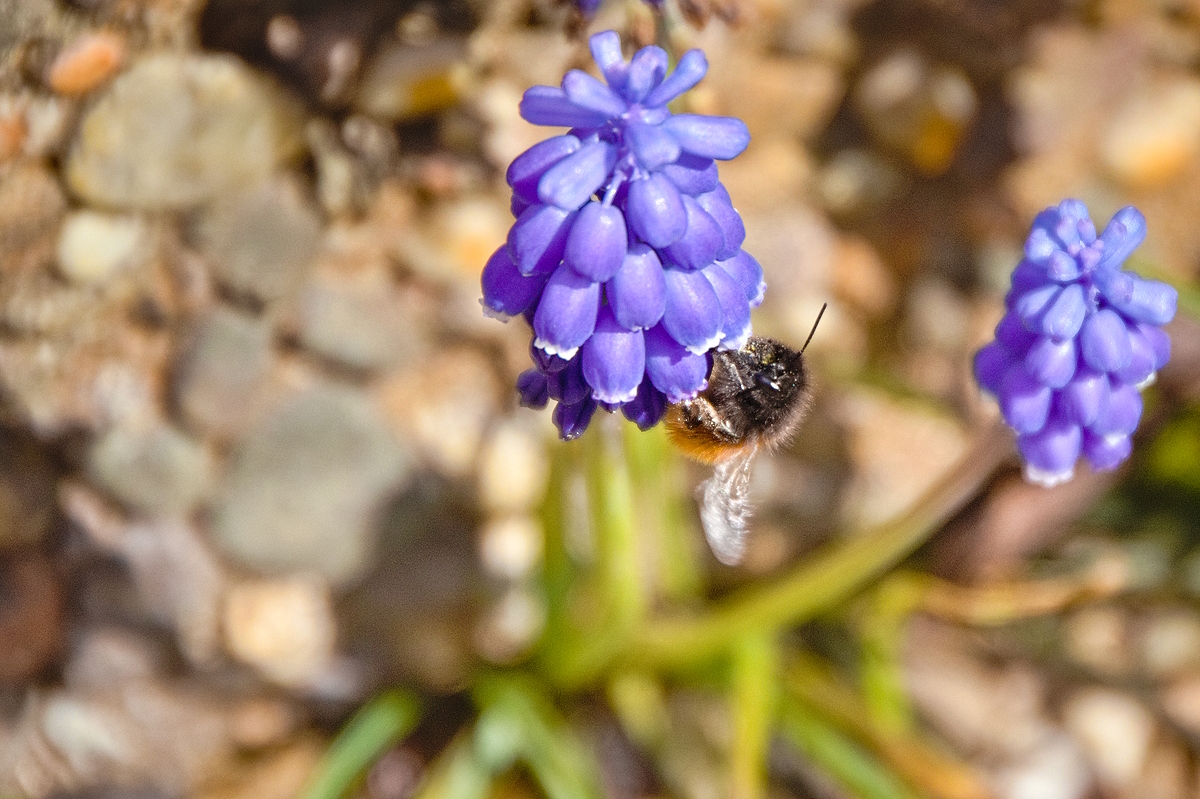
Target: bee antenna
point(820, 313)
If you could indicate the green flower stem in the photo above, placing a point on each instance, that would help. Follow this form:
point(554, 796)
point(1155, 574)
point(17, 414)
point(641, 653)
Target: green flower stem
point(378, 725)
point(1003, 603)
point(754, 674)
point(663, 503)
point(617, 586)
point(822, 582)
point(882, 622)
point(858, 771)
point(884, 618)
point(457, 773)
point(558, 573)
point(619, 578)
point(640, 704)
point(813, 684)
point(519, 722)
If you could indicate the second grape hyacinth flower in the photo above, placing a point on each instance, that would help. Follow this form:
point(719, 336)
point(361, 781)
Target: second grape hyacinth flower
point(1081, 338)
point(626, 251)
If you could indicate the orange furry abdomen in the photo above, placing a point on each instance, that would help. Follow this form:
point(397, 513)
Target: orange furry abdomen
point(698, 443)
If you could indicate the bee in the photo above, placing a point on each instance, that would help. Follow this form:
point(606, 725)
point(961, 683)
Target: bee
point(756, 398)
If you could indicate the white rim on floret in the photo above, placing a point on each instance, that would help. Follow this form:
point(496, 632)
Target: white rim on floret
point(492, 313)
point(550, 349)
point(1048, 479)
point(706, 345)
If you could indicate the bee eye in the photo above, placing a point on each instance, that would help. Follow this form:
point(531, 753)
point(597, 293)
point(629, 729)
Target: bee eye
point(765, 381)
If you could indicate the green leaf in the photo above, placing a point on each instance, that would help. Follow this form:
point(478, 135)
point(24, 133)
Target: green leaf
point(377, 725)
point(858, 771)
point(543, 740)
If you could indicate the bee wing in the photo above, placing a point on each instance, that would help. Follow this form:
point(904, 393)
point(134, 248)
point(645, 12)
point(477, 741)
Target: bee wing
point(725, 507)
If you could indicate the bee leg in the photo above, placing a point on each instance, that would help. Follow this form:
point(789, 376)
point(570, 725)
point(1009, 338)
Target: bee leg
point(701, 413)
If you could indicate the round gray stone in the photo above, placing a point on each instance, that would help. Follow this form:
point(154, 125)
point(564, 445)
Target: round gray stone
point(305, 486)
point(222, 368)
point(363, 323)
point(261, 240)
point(156, 470)
point(174, 131)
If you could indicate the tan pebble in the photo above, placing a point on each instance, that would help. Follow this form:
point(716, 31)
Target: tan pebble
point(260, 722)
point(283, 627)
point(1165, 772)
point(48, 120)
point(396, 774)
point(107, 656)
point(31, 204)
point(285, 38)
point(774, 171)
point(335, 167)
point(1097, 637)
point(938, 316)
point(13, 131)
point(857, 179)
point(1154, 138)
point(470, 231)
point(176, 131)
point(402, 81)
point(861, 278)
point(977, 705)
point(511, 547)
point(1115, 730)
point(278, 774)
point(1170, 642)
point(86, 62)
point(510, 626)
point(443, 407)
point(513, 469)
point(31, 618)
point(1181, 702)
point(793, 98)
point(1054, 767)
point(900, 448)
point(93, 246)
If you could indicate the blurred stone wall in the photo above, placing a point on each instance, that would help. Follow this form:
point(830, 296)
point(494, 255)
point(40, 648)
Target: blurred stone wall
point(260, 452)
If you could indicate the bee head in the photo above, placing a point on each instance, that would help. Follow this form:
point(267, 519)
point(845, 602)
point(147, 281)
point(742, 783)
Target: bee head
point(777, 373)
point(781, 372)
point(773, 375)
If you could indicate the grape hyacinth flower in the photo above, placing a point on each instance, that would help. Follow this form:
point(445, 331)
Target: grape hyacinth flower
point(1081, 338)
point(626, 252)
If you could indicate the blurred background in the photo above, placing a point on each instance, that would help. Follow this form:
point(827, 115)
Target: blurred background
point(261, 458)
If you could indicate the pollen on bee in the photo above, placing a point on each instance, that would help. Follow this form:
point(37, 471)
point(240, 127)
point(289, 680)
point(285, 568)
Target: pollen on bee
point(699, 443)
